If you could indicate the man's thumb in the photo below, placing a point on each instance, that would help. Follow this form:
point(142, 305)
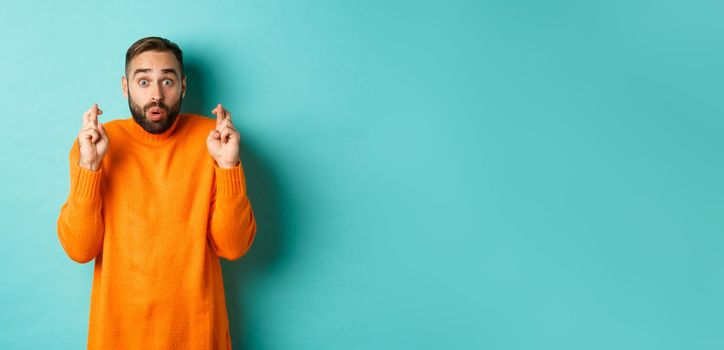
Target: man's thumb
point(214, 135)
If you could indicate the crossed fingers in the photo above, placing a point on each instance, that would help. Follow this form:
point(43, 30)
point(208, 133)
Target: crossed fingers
point(89, 130)
point(224, 125)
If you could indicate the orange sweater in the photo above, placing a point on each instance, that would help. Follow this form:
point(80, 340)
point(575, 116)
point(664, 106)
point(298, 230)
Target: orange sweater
point(156, 217)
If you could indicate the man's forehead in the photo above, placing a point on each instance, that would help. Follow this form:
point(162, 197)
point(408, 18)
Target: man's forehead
point(154, 62)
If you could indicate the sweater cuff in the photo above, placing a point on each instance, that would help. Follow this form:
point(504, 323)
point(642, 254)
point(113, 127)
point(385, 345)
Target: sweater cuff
point(87, 183)
point(230, 182)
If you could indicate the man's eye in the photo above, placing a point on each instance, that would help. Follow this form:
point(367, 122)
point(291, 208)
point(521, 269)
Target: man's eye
point(143, 82)
point(168, 82)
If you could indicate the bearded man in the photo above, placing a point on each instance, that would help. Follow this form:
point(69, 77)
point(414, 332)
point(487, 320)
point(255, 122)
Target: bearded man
point(155, 200)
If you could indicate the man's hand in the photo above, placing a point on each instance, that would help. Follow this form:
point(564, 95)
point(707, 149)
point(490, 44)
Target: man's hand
point(223, 142)
point(92, 140)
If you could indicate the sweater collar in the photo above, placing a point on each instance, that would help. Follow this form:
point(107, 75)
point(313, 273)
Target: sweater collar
point(138, 133)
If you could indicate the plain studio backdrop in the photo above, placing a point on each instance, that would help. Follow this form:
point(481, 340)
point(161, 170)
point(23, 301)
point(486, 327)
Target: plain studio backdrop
point(425, 175)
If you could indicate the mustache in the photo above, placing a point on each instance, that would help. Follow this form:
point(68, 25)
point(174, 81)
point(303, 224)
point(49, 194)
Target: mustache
point(159, 104)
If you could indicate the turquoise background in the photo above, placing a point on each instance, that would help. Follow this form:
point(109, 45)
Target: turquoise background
point(425, 175)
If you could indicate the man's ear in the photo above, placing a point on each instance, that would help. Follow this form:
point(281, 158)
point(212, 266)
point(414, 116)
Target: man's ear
point(183, 86)
point(124, 86)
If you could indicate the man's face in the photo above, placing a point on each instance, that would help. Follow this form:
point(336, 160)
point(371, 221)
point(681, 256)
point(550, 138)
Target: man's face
point(155, 89)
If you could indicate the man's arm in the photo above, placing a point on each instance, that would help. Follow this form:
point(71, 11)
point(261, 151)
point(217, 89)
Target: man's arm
point(80, 224)
point(231, 225)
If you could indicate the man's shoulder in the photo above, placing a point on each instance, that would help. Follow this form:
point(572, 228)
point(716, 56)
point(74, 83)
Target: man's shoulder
point(198, 120)
point(115, 124)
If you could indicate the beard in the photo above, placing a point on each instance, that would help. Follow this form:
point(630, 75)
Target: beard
point(154, 127)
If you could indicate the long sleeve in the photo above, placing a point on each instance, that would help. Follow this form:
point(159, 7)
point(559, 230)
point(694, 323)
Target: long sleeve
point(231, 225)
point(80, 224)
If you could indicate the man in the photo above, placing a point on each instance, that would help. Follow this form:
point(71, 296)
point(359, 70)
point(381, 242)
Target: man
point(156, 199)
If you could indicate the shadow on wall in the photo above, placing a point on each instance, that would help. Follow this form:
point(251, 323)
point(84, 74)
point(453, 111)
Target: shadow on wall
point(263, 190)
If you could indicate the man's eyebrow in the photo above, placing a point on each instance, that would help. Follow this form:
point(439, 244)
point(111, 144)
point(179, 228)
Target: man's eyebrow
point(146, 70)
point(169, 70)
point(141, 70)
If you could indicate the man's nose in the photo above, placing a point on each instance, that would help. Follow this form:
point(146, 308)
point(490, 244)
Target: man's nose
point(157, 93)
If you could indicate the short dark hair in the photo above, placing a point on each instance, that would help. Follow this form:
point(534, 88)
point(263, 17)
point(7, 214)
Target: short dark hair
point(154, 43)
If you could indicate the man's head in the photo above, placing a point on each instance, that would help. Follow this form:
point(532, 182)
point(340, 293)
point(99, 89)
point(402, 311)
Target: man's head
point(155, 83)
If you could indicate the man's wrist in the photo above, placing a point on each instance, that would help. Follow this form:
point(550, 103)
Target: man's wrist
point(227, 165)
point(91, 167)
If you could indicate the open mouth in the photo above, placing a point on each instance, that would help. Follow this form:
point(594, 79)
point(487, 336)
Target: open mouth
point(156, 114)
